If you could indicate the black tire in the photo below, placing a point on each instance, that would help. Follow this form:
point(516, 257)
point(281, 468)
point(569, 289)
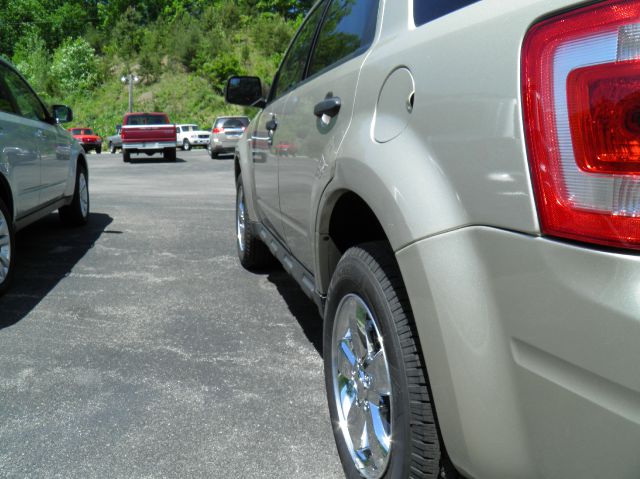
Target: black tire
point(112, 149)
point(213, 154)
point(126, 156)
point(75, 214)
point(169, 154)
point(7, 238)
point(252, 252)
point(98, 150)
point(369, 272)
point(186, 146)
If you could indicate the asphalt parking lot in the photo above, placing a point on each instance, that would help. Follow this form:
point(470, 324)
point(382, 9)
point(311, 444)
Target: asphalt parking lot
point(138, 347)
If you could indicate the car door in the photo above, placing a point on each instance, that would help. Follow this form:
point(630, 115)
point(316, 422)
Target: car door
point(19, 157)
point(266, 136)
point(47, 137)
point(308, 144)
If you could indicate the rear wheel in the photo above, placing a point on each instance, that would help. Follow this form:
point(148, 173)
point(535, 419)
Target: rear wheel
point(252, 252)
point(126, 156)
point(76, 213)
point(7, 239)
point(186, 146)
point(377, 387)
point(98, 150)
point(213, 154)
point(170, 154)
point(112, 148)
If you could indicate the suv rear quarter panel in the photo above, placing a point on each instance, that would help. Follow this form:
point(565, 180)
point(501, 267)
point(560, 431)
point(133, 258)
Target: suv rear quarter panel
point(460, 162)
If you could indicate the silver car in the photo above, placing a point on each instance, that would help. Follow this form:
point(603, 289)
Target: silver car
point(456, 184)
point(225, 133)
point(42, 168)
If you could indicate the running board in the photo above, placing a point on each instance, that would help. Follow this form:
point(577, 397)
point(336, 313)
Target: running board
point(292, 266)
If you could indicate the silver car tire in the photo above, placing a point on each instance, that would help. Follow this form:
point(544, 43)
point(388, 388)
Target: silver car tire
point(7, 248)
point(379, 399)
point(76, 213)
point(252, 252)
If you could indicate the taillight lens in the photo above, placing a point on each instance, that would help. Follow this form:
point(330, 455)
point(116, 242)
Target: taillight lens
point(216, 130)
point(581, 93)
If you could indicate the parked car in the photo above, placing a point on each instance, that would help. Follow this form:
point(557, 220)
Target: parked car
point(42, 168)
point(115, 141)
point(87, 139)
point(190, 136)
point(225, 133)
point(148, 133)
point(463, 205)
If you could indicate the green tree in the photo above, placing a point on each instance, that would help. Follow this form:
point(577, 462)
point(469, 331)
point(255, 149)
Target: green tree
point(74, 66)
point(33, 60)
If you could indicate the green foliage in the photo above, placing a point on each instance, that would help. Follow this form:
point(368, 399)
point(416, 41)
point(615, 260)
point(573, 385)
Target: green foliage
point(220, 69)
point(74, 52)
point(74, 66)
point(33, 60)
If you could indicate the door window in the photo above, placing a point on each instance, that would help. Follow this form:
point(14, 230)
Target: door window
point(427, 10)
point(26, 101)
point(295, 61)
point(347, 31)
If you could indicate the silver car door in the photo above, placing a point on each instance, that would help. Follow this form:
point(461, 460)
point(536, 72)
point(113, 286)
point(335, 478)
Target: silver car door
point(46, 137)
point(266, 135)
point(317, 116)
point(19, 158)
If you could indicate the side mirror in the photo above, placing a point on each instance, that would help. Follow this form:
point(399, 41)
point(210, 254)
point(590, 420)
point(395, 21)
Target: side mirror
point(62, 113)
point(245, 91)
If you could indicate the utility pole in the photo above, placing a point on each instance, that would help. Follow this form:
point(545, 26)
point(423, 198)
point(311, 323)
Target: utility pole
point(130, 79)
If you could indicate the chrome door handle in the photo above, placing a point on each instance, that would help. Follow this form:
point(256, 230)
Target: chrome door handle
point(329, 106)
point(272, 125)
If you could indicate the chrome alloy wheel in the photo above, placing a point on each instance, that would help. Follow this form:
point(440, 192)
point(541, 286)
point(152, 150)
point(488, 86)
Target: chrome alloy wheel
point(240, 218)
point(5, 248)
point(362, 386)
point(83, 194)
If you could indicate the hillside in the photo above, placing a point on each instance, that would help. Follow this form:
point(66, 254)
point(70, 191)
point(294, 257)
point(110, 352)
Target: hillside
point(75, 52)
point(185, 97)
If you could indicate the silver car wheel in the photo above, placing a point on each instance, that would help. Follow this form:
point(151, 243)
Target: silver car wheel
point(5, 248)
point(83, 194)
point(240, 218)
point(362, 386)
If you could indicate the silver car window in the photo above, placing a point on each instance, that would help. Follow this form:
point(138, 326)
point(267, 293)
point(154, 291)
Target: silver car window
point(27, 102)
point(7, 103)
point(348, 30)
point(427, 10)
point(292, 69)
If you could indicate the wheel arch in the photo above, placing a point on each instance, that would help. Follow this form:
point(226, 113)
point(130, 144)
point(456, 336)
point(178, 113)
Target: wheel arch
point(82, 161)
point(6, 195)
point(348, 220)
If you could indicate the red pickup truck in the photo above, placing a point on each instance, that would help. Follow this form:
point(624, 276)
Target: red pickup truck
point(148, 133)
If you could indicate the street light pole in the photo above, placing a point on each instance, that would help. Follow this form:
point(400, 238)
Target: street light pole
point(131, 79)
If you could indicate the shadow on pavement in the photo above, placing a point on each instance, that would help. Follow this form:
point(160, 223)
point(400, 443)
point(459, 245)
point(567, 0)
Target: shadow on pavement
point(46, 252)
point(302, 308)
point(154, 159)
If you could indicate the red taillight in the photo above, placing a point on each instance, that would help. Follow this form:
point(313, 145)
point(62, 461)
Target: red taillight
point(216, 130)
point(581, 94)
point(123, 133)
point(604, 114)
